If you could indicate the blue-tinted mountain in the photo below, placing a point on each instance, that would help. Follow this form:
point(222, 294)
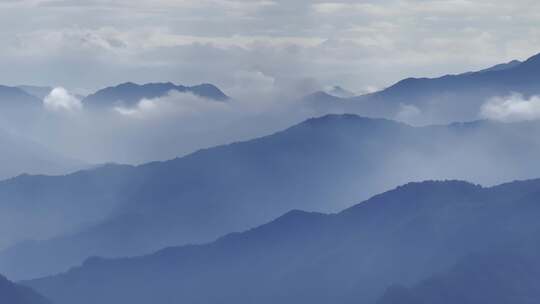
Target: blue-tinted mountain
point(39, 92)
point(20, 155)
point(340, 92)
point(323, 164)
point(23, 156)
point(129, 94)
point(11, 293)
point(496, 278)
point(401, 237)
point(445, 99)
point(503, 66)
point(18, 109)
point(12, 98)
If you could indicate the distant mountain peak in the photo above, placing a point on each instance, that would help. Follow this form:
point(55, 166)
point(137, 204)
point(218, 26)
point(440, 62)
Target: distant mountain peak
point(37, 91)
point(532, 62)
point(15, 96)
point(502, 66)
point(420, 193)
point(338, 91)
point(335, 118)
point(130, 93)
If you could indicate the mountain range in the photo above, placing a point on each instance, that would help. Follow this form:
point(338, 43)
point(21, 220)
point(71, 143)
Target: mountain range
point(323, 164)
point(39, 92)
point(129, 94)
point(445, 99)
point(97, 235)
point(406, 236)
point(22, 112)
point(497, 278)
point(11, 293)
point(12, 98)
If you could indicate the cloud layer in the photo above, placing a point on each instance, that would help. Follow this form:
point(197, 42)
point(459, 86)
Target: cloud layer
point(166, 127)
point(512, 108)
point(356, 44)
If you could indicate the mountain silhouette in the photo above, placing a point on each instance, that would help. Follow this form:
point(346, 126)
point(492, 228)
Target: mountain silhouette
point(498, 278)
point(11, 293)
point(444, 99)
point(129, 94)
point(400, 237)
point(13, 98)
point(323, 164)
point(39, 92)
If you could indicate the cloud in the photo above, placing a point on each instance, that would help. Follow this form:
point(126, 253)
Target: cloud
point(408, 113)
point(59, 99)
point(512, 108)
point(175, 104)
point(352, 43)
point(172, 125)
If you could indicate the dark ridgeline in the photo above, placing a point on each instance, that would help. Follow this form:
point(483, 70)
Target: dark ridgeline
point(26, 99)
point(441, 100)
point(402, 237)
point(129, 94)
point(11, 293)
point(495, 278)
point(415, 244)
point(323, 164)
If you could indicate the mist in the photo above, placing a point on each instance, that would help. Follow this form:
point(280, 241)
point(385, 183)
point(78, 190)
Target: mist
point(269, 151)
point(512, 108)
point(165, 127)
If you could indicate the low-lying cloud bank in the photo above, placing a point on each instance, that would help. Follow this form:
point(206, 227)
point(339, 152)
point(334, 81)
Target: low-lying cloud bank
point(513, 108)
point(181, 123)
point(168, 126)
point(174, 104)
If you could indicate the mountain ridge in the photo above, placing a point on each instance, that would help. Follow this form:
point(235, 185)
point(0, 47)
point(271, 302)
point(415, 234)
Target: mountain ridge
point(16, 294)
point(129, 93)
point(302, 254)
point(244, 184)
point(439, 100)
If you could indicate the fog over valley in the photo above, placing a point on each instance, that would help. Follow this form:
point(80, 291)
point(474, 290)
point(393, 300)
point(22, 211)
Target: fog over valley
point(269, 151)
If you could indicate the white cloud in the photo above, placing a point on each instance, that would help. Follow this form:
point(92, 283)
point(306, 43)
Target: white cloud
point(175, 104)
point(59, 99)
point(512, 108)
point(408, 113)
point(330, 7)
point(353, 43)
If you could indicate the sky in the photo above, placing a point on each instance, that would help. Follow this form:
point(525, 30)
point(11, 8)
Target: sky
point(365, 45)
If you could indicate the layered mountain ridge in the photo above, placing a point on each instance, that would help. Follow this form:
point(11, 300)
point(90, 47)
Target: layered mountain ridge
point(403, 236)
point(445, 99)
point(323, 164)
point(129, 94)
point(11, 293)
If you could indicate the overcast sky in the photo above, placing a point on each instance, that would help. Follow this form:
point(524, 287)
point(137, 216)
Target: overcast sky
point(361, 45)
